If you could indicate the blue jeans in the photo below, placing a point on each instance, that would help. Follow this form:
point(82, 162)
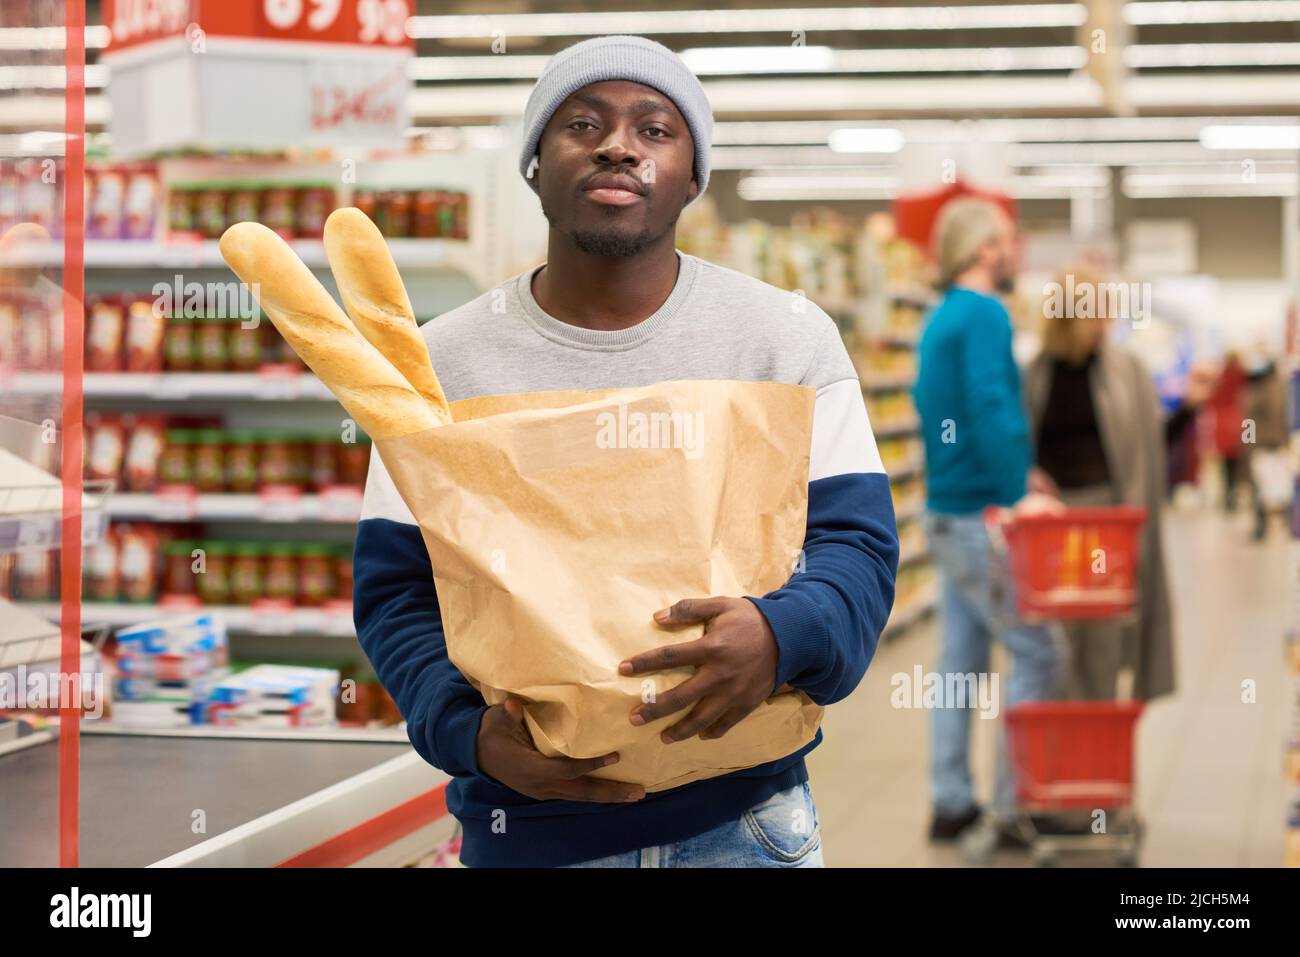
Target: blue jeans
point(782, 831)
point(976, 605)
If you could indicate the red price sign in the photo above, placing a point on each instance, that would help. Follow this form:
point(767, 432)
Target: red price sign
point(137, 21)
point(176, 503)
point(341, 503)
point(372, 22)
point(280, 503)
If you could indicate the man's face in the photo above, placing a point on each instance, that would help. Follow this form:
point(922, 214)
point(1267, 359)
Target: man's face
point(616, 167)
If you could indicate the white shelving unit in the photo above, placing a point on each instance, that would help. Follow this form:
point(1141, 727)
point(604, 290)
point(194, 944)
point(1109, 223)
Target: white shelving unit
point(180, 386)
point(343, 506)
point(439, 272)
point(205, 254)
point(243, 619)
point(875, 323)
point(31, 499)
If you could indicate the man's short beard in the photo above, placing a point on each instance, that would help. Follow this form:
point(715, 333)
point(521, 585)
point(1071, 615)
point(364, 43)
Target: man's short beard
point(612, 243)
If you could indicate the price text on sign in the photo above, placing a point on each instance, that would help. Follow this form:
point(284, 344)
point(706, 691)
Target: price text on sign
point(373, 23)
point(340, 504)
point(37, 534)
point(176, 503)
point(356, 97)
point(135, 21)
point(280, 504)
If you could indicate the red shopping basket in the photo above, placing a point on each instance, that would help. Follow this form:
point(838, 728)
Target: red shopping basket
point(1080, 563)
point(1072, 754)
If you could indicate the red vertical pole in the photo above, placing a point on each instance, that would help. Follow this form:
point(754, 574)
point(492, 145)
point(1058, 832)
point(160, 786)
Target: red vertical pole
point(74, 58)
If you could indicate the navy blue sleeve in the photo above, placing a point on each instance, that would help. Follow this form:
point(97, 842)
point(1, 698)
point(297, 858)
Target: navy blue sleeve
point(828, 617)
point(395, 607)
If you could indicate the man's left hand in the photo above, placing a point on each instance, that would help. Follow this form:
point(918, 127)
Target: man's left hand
point(734, 660)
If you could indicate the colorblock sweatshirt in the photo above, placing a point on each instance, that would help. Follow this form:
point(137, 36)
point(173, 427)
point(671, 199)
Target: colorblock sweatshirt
point(716, 324)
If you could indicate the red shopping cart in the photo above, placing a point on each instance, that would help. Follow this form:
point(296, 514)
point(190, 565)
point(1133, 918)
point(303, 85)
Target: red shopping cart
point(1078, 563)
point(1073, 760)
point(1076, 758)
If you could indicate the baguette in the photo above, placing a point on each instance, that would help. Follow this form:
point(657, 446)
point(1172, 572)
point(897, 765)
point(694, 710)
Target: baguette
point(372, 391)
point(375, 298)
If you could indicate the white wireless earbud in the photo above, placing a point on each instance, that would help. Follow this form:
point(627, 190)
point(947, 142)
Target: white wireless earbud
point(532, 167)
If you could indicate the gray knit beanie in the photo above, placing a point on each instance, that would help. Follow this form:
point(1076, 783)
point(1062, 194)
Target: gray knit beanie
point(618, 58)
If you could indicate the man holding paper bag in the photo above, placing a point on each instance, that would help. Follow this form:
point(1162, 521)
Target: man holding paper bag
point(707, 416)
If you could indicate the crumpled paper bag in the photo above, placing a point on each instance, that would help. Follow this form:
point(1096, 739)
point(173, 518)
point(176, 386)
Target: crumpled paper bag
point(557, 524)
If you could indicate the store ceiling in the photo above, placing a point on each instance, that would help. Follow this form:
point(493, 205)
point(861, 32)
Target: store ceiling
point(1152, 75)
point(844, 60)
point(772, 59)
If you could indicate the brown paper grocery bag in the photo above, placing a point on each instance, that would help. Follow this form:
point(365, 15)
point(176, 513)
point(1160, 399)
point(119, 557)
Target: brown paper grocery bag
point(557, 524)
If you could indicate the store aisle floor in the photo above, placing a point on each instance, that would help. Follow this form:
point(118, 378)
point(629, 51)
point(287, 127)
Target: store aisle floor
point(1209, 764)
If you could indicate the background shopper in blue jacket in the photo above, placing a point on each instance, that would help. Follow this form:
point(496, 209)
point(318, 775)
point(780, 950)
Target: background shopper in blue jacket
point(978, 453)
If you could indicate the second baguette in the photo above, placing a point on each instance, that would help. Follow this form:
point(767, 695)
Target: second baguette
point(373, 294)
point(373, 392)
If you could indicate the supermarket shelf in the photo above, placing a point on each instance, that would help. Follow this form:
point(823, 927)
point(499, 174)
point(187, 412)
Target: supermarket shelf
point(240, 619)
point(849, 306)
point(905, 471)
point(893, 429)
point(392, 734)
point(914, 295)
point(910, 513)
point(903, 618)
point(898, 340)
point(889, 385)
point(914, 558)
point(30, 516)
point(180, 386)
point(150, 254)
point(343, 507)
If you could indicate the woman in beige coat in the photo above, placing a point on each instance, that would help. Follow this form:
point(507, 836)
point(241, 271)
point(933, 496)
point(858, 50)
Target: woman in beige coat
point(1098, 432)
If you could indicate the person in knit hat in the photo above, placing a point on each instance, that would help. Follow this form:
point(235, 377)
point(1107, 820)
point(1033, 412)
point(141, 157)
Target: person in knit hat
point(617, 136)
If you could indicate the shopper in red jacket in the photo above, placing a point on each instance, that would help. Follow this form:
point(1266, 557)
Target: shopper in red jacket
point(1226, 408)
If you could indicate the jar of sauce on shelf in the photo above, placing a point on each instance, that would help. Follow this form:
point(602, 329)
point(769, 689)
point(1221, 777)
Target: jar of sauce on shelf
point(244, 202)
point(278, 210)
point(275, 460)
point(300, 460)
point(324, 461)
point(280, 576)
point(343, 573)
point(181, 199)
point(210, 210)
point(210, 344)
point(425, 223)
point(247, 580)
point(243, 345)
point(209, 468)
point(399, 214)
point(354, 461)
point(213, 585)
point(176, 464)
point(178, 344)
point(315, 575)
point(315, 202)
point(460, 230)
point(178, 567)
point(447, 214)
point(241, 462)
point(364, 200)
